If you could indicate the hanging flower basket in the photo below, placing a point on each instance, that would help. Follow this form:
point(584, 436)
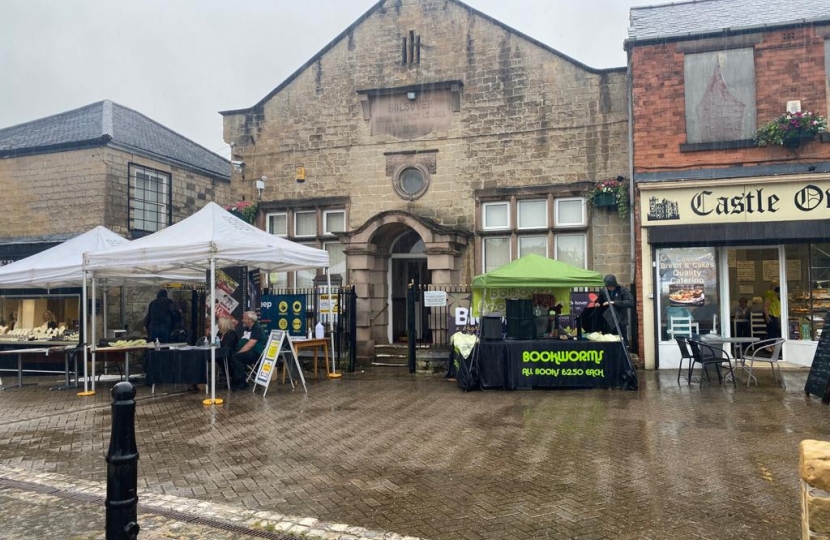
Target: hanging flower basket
point(605, 200)
point(790, 130)
point(244, 210)
point(610, 194)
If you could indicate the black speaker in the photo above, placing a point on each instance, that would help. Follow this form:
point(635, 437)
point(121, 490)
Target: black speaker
point(491, 328)
point(521, 328)
point(518, 308)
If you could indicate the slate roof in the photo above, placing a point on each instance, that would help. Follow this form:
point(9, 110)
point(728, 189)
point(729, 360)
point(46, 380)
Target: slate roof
point(709, 16)
point(108, 123)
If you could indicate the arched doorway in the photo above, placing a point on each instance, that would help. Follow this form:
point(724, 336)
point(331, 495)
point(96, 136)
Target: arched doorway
point(408, 264)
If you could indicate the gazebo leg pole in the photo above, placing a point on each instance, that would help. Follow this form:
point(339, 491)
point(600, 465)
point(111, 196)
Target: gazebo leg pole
point(85, 335)
point(212, 400)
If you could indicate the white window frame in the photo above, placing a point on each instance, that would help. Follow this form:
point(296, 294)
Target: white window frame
point(584, 236)
point(268, 223)
point(310, 271)
point(345, 265)
point(296, 214)
point(519, 225)
point(558, 224)
point(519, 242)
point(326, 213)
point(484, 250)
point(484, 208)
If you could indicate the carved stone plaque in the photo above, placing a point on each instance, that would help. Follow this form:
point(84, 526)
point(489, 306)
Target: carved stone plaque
point(405, 118)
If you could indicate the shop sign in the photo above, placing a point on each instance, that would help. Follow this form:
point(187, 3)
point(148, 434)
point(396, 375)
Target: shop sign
point(688, 285)
point(743, 203)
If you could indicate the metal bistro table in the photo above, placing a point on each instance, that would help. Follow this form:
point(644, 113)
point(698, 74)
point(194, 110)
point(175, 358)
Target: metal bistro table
point(739, 342)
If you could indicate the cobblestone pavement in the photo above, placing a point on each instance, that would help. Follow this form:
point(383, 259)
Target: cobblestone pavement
point(413, 455)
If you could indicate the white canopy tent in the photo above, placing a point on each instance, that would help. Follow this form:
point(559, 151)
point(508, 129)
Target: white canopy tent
point(210, 238)
point(62, 266)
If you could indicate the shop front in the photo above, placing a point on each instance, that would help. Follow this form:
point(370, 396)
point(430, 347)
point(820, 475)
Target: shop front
point(735, 257)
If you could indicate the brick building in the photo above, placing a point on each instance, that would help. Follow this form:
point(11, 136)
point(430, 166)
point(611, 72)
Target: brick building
point(718, 217)
point(102, 164)
point(429, 142)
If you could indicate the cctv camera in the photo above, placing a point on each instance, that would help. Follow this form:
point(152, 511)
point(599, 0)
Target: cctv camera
point(237, 163)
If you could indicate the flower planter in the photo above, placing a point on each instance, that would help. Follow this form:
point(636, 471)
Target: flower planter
point(791, 143)
point(605, 200)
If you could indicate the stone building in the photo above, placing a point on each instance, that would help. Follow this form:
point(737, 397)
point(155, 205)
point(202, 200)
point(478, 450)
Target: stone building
point(429, 143)
point(102, 164)
point(718, 216)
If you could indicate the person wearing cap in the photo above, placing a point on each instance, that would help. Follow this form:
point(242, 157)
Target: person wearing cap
point(619, 299)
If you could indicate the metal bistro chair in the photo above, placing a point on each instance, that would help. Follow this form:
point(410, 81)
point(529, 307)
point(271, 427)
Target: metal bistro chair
point(685, 354)
point(757, 352)
point(707, 355)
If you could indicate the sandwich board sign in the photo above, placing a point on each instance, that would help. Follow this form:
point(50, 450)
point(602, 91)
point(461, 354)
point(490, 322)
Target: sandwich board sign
point(278, 343)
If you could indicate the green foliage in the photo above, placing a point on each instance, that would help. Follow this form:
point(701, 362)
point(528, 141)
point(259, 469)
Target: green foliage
point(616, 186)
point(789, 129)
point(244, 210)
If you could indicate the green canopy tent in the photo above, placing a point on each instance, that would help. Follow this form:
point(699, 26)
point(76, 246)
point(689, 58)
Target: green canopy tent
point(526, 276)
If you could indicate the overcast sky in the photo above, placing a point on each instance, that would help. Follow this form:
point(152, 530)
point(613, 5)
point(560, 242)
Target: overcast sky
point(181, 61)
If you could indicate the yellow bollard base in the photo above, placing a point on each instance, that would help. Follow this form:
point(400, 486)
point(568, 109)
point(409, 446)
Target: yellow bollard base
point(217, 401)
point(87, 393)
point(335, 375)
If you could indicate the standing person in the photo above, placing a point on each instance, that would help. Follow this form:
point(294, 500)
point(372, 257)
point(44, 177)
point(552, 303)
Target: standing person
point(160, 316)
point(49, 320)
point(772, 310)
point(251, 345)
point(620, 300)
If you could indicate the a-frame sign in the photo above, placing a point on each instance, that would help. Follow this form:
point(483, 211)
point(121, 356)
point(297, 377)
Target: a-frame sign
point(278, 344)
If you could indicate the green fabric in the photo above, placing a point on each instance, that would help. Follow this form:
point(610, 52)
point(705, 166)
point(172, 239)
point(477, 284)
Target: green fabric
point(529, 275)
point(537, 271)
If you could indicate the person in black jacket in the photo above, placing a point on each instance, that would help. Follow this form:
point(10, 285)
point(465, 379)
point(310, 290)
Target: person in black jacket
point(161, 313)
point(620, 300)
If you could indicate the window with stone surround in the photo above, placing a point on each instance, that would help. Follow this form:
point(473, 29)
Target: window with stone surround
point(719, 95)
point(538, 225)
point(149, 200)
point(313, 226)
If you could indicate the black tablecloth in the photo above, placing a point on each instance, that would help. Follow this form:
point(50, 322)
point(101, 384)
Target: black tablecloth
point(178, 366)
point(554, 363)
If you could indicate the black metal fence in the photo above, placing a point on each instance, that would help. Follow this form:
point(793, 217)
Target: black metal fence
point(344, 323)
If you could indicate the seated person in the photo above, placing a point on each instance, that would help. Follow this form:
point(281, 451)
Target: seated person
point(251, 346)
point(228, 338)
point(741, 316)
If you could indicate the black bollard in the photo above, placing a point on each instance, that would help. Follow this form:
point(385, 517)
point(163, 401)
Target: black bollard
point(122, 467)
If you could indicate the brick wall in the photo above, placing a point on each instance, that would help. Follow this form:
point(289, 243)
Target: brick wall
point(789, 65)
point(528, 117)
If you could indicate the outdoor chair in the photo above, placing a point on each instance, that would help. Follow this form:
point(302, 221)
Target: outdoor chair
point(685, 354)
point(707, 355)
point(682, 326)
point(757, 325)
point(758, 352)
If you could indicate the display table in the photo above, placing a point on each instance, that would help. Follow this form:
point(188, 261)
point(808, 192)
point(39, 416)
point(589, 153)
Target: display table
point(553, 363)
point(180, 366)
point(38, 352)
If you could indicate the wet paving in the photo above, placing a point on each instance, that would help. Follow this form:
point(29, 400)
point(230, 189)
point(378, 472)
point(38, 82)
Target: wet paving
point(385, 450)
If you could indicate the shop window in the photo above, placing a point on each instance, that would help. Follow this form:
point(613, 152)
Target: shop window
point(532, 214)
point(496, 215)
point(571, 249)
point(533, 244)
point(496, 252)
point(720, 95)
point(277, 224)
point(334, 221)
point(149, 200)
point(570, 212)
point(305, 223)
point(687, 287)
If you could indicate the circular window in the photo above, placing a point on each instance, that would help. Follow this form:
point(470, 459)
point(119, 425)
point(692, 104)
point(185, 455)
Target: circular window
point(411, 181)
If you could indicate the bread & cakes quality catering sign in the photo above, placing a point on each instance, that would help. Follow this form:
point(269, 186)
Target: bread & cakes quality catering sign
point(715, 202)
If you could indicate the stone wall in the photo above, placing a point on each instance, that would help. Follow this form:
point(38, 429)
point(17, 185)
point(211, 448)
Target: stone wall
point(527, 116)
point(814, 470)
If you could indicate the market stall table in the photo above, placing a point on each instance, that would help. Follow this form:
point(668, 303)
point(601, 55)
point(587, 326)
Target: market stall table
point(22, 348)
point(181, 365)
point(127, 350)
point(553, 363)
point(314, 344)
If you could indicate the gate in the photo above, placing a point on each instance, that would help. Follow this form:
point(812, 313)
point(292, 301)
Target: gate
point(344, 323)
